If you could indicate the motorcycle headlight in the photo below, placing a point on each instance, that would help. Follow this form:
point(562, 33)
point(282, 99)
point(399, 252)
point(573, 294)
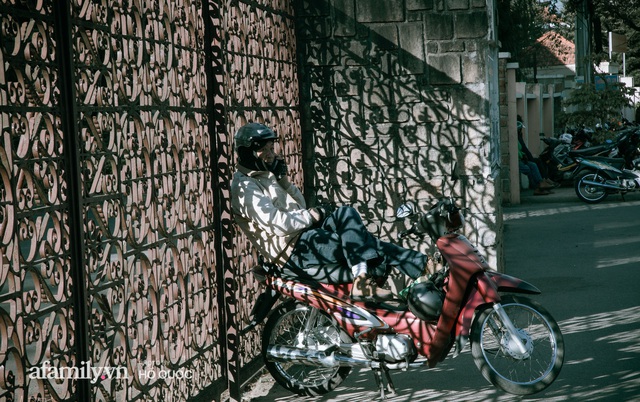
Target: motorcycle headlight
point(455, 220)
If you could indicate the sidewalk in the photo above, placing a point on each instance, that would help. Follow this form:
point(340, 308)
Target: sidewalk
point(567, 194)
point(560, 194)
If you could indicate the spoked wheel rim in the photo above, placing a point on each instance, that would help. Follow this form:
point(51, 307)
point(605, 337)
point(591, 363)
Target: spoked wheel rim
point(589, 192)
point(524, 367)
point(510, 363)
point(289, 332)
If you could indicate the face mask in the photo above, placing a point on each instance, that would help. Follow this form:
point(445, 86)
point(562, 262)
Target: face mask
point(248, 159)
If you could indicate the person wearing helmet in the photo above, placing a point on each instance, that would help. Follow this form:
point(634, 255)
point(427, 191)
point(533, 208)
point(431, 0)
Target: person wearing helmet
point(309, 243)
point(528, 166)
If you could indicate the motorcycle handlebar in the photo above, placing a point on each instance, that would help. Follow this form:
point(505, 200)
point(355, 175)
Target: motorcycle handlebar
point(445, 209)
point(406, 233)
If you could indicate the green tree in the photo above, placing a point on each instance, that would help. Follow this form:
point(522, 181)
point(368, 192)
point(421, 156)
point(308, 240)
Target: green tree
point(588, 105)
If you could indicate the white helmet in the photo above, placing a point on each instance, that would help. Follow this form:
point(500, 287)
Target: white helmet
point(566, 138)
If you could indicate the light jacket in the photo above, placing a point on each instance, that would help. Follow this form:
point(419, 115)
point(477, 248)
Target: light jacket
point(272, 214)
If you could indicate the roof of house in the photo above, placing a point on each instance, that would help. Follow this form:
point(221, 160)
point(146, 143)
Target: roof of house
point(554, 50)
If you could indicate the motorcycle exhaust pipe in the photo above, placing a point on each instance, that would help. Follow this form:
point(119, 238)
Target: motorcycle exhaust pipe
point(286, 354)
point(605, 185)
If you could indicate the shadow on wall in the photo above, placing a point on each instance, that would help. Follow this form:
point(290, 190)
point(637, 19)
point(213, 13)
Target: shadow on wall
point(391, 97)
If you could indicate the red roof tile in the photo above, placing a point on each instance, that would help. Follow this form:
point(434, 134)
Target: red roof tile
point(554, 50)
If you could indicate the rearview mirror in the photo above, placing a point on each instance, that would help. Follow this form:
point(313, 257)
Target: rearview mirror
point(406, 209)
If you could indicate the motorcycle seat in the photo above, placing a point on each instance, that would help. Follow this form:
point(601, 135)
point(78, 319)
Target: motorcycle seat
point(618, 163)
point(591, 150)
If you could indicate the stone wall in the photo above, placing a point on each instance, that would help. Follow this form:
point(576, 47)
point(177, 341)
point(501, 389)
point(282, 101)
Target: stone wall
point(393, 94)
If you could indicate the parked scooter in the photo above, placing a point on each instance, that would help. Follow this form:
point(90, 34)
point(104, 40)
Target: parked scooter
point(595, 180)
point(582, 138)
point(315, 337)
point(558, 159)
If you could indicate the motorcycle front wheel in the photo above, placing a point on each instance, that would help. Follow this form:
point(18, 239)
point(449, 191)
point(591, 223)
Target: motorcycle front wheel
point(520, 372)
point(301, 326)
point(588, 192)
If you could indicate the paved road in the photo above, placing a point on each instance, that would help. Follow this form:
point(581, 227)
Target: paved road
point(586, 260)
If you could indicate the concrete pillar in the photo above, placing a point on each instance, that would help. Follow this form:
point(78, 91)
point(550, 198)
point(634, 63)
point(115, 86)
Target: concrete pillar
point(533, 119)
point(548, 111)
point(512, 108)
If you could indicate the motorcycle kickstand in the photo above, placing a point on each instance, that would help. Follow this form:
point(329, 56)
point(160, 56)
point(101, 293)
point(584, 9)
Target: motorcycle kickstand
point(384, 384)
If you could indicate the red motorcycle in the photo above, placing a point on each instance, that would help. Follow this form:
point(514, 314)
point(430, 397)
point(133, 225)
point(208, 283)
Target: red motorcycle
point(313, 339)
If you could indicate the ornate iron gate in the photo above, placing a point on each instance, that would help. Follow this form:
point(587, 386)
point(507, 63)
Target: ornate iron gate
point(122, 275)
point(261, 85)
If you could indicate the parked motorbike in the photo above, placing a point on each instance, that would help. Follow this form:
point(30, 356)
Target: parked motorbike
point(313, 339)
point(595, 179)
point(582, 138)
point(560, 160)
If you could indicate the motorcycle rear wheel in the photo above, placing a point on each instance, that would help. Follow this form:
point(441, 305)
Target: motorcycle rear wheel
point(501, 363)
point(286, 327)
point(589, 193)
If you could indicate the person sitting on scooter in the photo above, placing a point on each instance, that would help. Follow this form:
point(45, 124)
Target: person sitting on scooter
point(310, 243)
point(528, 166)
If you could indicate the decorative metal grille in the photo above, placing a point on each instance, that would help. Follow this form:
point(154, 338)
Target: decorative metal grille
point(36, 315)
point(261, 86)
point(145, 201)
point(393, 97)
point(118, 248)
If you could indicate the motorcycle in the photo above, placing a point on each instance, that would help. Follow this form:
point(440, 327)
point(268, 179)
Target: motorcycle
point(596, 179)
point(313, 339)
point(559, 159)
